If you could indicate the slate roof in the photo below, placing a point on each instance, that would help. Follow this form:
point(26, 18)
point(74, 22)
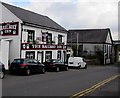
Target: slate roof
point(88, 35)
point(34, 18)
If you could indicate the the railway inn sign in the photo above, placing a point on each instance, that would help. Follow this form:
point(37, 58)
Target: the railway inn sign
point(9, 28)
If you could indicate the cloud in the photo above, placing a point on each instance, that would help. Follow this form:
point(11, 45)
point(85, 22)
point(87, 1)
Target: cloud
point(84, 15)
point(79, 14)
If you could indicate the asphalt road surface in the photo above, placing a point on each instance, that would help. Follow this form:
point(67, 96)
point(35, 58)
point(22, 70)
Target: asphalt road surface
point(65, 83)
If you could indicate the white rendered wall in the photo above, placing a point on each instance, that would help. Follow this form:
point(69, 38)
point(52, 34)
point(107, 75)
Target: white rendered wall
point(8, 16)
point(108, 40)
point(0, 52)
point(5, 52)
point(54, 53)
point(38, 33)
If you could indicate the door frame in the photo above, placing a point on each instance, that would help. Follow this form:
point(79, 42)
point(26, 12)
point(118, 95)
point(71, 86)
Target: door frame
point(40, 52)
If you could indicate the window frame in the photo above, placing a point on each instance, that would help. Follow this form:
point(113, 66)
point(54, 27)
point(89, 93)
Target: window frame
point(46, 54)
point(49, 38)
point(32, 37)
point(29, 52)
point(59, 39)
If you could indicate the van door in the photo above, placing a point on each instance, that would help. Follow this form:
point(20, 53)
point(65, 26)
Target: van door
point(70, 61)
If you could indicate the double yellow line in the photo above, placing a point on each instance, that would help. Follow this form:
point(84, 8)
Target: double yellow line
point(94, 87)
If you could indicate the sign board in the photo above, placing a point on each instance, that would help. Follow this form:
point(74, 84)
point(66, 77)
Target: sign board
point(26, 46)
point(10, 28)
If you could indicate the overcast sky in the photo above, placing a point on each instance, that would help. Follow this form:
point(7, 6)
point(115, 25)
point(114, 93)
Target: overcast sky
point(76, 14)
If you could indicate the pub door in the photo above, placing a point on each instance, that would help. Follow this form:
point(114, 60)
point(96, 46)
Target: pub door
point(40, 56)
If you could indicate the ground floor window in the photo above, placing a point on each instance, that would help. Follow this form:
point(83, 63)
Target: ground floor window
point(48, 55)
point(30, 54)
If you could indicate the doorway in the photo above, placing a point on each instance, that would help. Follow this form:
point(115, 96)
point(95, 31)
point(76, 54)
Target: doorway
point(5, 51)
point(40, 56)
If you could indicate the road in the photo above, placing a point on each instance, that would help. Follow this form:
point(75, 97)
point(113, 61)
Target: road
point(64, 83)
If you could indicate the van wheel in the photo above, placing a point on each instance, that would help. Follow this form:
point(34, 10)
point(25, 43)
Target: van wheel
point(79, 67)
point(85, 67)
point(57, 69)
point(28, 72)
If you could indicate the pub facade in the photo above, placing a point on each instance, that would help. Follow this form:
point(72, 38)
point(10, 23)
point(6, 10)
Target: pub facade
point(25, 34)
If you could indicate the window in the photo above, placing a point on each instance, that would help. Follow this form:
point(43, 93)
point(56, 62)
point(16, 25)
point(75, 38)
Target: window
point(29, 61)
point(35, 61)
point(19, 61)
point(30, 54)
point(44, 36)
point(59, 55)
point(105, 48)
point(31, 35)
point(49, 38)
point(59, 39)
point(48, 55)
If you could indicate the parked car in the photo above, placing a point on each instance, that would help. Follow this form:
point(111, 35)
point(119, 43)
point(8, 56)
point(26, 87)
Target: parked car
point(55, 64)
point(26, 66)
point(2, 70)
point(77, 62)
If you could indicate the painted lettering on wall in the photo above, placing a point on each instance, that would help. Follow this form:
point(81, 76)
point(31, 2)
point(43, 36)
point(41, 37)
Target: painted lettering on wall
point(25, 46)
point(10, 28)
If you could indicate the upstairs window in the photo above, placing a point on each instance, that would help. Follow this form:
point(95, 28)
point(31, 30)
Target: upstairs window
point(59, 39)
point(31, 34)
point(44, 36)
point(49, 38)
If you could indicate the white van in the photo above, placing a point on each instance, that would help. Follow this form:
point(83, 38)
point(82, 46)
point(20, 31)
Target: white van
point(77, 62)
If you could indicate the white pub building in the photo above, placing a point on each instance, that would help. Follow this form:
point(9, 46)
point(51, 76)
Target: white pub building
point(25, 34)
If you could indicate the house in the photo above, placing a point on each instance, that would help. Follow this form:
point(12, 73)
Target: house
point(116, 44)
point(92, 43)
point(26, 34)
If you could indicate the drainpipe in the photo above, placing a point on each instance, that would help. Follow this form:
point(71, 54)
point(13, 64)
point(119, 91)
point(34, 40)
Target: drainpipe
point(103, 54)
point(21, 38)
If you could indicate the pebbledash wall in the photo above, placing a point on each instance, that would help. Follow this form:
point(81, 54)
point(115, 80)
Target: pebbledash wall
point(20, 39)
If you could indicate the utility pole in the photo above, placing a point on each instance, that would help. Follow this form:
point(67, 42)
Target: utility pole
point(71, 40)
point(77, 43)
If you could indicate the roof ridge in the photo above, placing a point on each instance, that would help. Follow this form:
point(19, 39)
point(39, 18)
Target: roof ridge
point(88, 29)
